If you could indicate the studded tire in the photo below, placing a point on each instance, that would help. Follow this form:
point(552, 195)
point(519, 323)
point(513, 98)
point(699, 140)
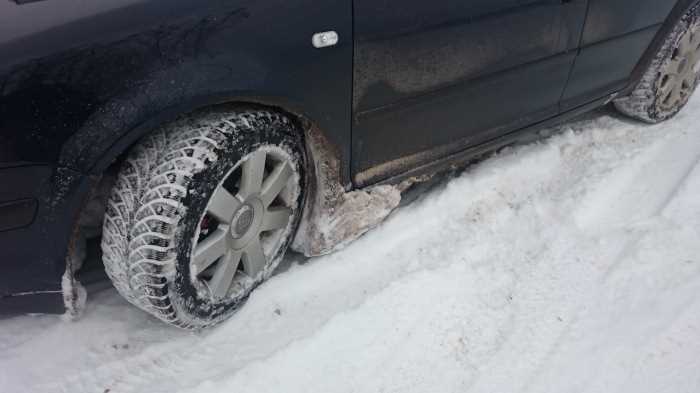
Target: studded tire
point(154, 221)
point(672, 76)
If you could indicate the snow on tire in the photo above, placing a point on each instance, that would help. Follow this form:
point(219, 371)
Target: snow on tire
point(672, 77)
point(202, 212)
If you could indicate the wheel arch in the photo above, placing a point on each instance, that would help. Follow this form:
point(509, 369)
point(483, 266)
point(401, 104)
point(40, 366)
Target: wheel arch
point(306, 124)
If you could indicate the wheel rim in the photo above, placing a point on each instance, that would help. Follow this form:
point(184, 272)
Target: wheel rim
point(245, 224)
point(680, 74)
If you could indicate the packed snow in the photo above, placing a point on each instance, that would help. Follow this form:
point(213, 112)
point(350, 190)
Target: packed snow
point(568, 265)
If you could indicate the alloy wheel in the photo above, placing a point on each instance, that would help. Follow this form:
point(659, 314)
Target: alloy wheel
point(679, 76)
point(244, 223)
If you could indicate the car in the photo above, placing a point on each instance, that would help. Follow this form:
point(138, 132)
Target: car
point(182, 146)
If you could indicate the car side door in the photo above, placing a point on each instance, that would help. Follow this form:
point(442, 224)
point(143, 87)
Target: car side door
point(432, 78)
point(615, 36)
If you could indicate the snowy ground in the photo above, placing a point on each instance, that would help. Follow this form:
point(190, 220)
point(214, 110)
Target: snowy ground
point(571, 265)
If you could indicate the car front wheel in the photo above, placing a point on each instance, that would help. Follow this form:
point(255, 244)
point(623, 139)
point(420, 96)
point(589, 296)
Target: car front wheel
point(202, 213)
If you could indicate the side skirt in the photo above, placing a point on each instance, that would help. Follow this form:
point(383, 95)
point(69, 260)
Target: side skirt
point(462, 158)
point(33, 302)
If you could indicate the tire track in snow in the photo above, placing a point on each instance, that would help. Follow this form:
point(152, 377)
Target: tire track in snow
point(669, 168)
point(677, 167)
point(645, 187)
point(670, 163)
point(646, 376)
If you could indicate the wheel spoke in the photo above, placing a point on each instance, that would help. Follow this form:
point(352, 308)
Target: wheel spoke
point(275, 182)
point(686, 42)
point(670, 84)
point(688, 82)
point(222, 205)
point(672, 89)
point(253, 172)
point(675, 66)
point(276, 218)
point(693, 61)
point(209, 250)
point(676, 94)
point(254, 260)
point(221, 282)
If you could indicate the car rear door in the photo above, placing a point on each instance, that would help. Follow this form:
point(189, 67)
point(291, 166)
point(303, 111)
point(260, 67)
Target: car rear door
point(434, 77)
point(615, 36)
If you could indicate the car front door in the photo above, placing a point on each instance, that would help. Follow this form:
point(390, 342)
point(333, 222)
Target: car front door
point(435, 77)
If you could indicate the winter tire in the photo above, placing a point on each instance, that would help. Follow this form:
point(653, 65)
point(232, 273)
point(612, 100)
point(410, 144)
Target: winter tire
point(202, 213)
point(672, 76)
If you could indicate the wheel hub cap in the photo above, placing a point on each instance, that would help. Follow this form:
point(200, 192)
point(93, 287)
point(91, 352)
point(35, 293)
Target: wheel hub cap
point(246, 223)
point(242, 221)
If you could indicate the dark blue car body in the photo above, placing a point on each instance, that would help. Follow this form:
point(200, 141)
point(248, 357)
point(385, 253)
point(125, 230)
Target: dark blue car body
point(412, 86)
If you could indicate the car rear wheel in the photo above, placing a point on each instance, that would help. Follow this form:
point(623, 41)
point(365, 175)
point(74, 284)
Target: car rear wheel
point(672, 77)
point(202, 213)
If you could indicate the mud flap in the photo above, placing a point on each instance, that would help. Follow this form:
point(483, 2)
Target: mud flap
point(74, 294)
